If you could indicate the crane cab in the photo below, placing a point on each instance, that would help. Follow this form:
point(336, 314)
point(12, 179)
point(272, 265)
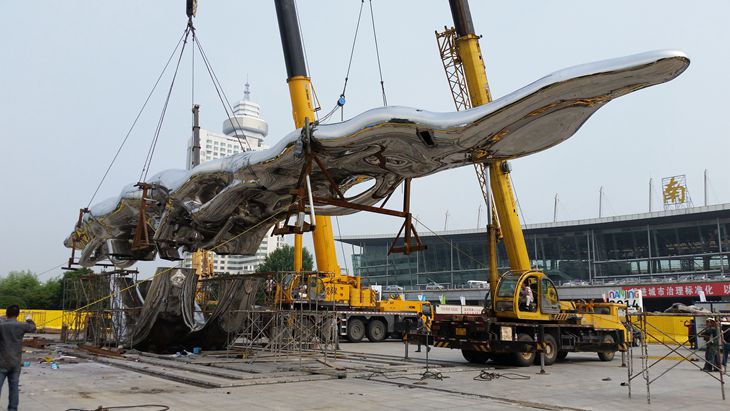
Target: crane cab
point(511, 299)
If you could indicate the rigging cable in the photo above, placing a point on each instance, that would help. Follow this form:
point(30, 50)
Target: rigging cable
point(221, 95)
point(153, 145)
point(458, 250)
point(49, 270)
point(342, 245)
point(377, 53)
point(136, 119)
point(517, 199)
point(341, 101)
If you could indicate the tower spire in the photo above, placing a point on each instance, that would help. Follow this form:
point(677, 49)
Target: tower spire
point(247, 90)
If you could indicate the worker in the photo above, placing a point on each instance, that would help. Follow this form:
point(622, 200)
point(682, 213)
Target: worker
point(526, 297)
point(302, 291)
point(423, 329)
point(709, 334)
point(11, 341)
point(691, 333)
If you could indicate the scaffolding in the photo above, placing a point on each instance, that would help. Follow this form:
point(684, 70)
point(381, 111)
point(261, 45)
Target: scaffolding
point(94, 308)
point(263, 316)
point(292, 320)
point(676, 348)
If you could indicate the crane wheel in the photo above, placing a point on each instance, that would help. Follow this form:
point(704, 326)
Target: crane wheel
point(475, 357)
point(551, 351)
point(377, 331)
point(523, 359)
point(355, 330)
point(607, 355)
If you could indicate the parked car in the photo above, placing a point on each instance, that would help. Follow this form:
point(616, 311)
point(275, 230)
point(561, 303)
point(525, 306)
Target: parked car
point(434, 286)
point(396, 289)
point(477, 284)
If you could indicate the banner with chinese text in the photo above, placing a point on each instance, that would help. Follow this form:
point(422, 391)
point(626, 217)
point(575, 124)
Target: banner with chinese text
point(714, 289)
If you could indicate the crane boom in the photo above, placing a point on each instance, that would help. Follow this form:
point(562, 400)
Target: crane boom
point(470, 56)
point(465, 71)
point(300, 86)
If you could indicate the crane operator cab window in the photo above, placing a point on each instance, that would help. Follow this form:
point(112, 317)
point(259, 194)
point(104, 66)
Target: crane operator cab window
point(549, 302)
point(507, 285)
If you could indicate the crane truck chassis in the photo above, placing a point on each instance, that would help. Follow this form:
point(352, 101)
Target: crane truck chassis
point(359, 313)
point(376, 325)
point(510, 331)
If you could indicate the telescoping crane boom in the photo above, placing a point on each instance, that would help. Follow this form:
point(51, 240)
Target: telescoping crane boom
point(361, 314)
point(513, 326)
point(300, 91)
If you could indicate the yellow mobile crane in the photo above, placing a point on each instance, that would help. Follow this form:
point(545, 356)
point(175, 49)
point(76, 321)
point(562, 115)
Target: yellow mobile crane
point(360, 313)
point(512, 326)
point(300, 91)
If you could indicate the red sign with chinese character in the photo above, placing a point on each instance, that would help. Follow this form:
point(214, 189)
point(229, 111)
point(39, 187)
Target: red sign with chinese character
point(682, 289)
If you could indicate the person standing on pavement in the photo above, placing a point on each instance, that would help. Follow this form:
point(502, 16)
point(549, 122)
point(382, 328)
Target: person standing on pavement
point(423, 328)
point(691, 336)
point(712, 360)
point(11, 340)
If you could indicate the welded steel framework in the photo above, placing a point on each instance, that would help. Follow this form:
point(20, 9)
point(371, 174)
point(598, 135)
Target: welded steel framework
point(278, 328)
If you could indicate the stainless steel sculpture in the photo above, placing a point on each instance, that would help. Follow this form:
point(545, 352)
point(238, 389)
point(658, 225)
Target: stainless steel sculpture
point(211, 205)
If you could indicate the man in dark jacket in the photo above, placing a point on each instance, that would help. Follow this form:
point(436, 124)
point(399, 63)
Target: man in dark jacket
point(712, 359)
point(11, 341)
point(423, 328)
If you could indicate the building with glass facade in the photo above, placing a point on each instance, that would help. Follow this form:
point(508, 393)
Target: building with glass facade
point(673, 245)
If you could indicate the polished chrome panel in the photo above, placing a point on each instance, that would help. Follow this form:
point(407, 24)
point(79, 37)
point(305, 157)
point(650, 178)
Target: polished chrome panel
point(211, 205)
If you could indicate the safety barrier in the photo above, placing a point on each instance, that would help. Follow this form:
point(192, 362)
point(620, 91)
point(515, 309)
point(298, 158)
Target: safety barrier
point(674, 327)
point(54, 319)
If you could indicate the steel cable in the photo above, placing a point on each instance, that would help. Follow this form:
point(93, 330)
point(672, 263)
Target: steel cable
point(153, 145)
point(221, 93)
point(377, 53)
point(136, 119)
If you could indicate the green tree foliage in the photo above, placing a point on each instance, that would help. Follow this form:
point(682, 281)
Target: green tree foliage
point(282, 259)
point(24, 288)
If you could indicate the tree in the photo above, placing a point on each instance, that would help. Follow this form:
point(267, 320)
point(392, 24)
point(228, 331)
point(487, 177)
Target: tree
point(282, 259)
point(24, 288)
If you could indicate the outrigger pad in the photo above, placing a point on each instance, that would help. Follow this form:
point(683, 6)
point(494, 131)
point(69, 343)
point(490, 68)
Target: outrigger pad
point(229, 204)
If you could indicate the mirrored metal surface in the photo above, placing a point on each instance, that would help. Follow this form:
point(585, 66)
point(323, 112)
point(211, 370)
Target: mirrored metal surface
point(229, 204)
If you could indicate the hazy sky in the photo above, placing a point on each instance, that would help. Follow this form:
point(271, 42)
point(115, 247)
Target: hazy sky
point(74, 74)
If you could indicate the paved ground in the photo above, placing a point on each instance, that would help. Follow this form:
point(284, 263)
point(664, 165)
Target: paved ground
point(582, 382)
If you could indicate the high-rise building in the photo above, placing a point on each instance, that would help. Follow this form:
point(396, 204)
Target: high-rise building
point(244, 131)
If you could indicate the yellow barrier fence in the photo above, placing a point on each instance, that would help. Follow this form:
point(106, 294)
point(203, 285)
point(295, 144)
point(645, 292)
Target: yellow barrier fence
point(54, 319)
point(673, 326)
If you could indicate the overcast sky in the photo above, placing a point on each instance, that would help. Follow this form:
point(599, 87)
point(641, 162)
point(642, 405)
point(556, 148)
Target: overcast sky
point(74, 74)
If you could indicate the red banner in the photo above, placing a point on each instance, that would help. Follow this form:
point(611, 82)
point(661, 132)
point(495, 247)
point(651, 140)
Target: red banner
point(682, 290)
